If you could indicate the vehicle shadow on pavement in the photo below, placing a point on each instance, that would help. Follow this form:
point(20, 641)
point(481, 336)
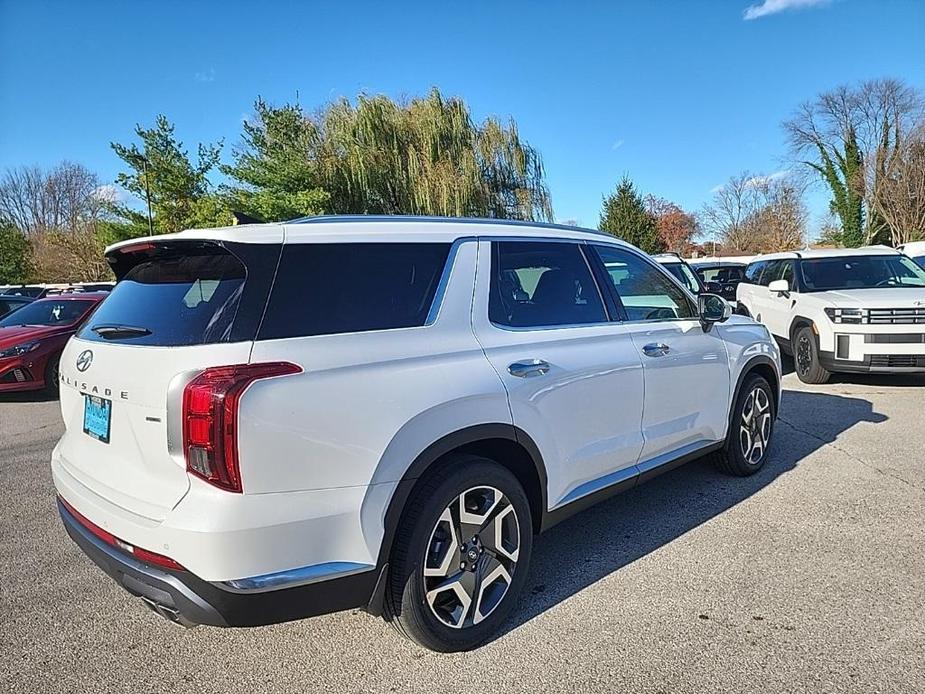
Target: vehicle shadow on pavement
point(28, 396)
point(892, 380)
point(601, 540)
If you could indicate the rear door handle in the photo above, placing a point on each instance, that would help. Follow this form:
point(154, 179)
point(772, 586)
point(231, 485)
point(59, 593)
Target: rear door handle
point(656, 349)
point(528, 368)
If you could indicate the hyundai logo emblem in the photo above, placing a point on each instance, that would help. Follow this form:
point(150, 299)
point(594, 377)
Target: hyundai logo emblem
point(84, 359)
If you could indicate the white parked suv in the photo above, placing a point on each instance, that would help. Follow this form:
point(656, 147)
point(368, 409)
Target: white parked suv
point(915, 250)
point(271, 422)
point(851, 310)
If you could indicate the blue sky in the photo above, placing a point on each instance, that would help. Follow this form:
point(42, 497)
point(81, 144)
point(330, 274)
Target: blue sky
point(678, 94)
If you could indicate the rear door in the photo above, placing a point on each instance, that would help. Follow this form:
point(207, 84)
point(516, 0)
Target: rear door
point(573, 377)
point(686, 368)
point(179, 307)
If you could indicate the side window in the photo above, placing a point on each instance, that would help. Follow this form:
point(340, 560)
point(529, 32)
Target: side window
point(753, 272)
point(538, 284)
point(646, 293)
point(329, 288)
point(771, 272)
point(787, 272)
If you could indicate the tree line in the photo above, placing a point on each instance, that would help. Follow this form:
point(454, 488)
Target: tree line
point(427, 155)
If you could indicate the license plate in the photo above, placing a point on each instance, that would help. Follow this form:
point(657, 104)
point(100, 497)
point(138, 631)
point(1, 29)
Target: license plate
point(97, 416)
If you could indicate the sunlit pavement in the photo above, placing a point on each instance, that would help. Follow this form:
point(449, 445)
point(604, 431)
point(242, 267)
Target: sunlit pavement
point(805, 577)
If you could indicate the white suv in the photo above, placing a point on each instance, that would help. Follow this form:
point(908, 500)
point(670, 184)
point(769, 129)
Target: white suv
point(915, 250)
point(852, 310)
point(271, 422)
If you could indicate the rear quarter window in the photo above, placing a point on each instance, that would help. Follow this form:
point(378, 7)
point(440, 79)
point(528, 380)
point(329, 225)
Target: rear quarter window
point(331, 288)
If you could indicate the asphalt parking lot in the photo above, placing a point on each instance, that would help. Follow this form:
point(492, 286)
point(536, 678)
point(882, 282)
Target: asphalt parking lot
point(808, 577)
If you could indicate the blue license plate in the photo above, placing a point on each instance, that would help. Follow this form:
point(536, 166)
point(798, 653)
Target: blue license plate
point(97, 416)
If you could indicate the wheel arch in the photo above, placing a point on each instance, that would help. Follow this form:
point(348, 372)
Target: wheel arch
point(800, 322)
point(506, 444)
point(765, 367)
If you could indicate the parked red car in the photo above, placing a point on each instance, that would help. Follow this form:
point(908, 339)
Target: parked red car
point(32, 338)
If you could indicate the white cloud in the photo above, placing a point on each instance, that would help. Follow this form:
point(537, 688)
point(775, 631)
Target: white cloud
point(717, 188)
point(769, 7)
point(756, 181)
point(109, 193)
point(617, 145)
point(205, 75)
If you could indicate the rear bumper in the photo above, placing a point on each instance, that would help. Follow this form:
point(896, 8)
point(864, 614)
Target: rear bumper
point(182, 597)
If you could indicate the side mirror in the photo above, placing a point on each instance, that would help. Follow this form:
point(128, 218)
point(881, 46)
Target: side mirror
point(779, 287)
point(713, 309)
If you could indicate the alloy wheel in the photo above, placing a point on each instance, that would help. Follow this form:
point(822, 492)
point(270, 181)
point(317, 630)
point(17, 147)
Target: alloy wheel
point(755, 426)
point(471, 557)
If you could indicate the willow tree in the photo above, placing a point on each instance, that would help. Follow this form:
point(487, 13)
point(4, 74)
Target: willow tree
point(426, 156)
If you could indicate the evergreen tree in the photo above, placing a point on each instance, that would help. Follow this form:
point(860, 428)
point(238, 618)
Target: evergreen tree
point(625, 216)
point(14, 255)
point(161, 172)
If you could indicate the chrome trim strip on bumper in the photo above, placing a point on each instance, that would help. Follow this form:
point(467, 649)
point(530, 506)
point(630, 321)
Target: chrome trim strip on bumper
point(294, 577)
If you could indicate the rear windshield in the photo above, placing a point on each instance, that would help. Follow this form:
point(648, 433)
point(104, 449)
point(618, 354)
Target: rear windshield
point(328, 288)
point(861, 272)
point(48, 312)
point(186, 296)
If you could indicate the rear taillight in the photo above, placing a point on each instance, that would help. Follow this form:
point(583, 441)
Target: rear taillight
point(210, 419)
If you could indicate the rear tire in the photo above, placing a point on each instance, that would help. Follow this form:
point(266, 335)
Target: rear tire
point(461, 555)
point(751, 429)
point(806, 357)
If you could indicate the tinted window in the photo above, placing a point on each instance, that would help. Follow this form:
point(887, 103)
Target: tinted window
point(753, 272)
point(722, 273)
point(324, 288)
point(771, 272)
point(861, 272)
point(684, 275)
point(645, 292)
point(786, 272)
point(187, 297)
point(48, 312)
point(538, 284)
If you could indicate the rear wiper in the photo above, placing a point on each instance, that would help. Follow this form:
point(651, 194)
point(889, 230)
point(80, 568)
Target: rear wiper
point(112, 332)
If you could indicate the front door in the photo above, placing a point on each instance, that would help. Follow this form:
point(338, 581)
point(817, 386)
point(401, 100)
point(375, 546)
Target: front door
point(686, 368)
point(574, 377)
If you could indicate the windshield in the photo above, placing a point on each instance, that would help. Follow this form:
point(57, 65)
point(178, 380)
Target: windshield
point(47, 313)
point(686, 276)
point(861, 272)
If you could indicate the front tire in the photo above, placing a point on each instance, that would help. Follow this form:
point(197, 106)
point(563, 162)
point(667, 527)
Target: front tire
point(806, 358)
point(52, 385)
point(461, 555)
point(746, 447)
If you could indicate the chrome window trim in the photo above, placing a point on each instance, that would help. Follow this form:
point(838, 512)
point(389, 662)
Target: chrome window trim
point(444, 281)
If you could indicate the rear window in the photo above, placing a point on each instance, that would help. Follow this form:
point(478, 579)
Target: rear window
point(173, 296)
point(325, 289)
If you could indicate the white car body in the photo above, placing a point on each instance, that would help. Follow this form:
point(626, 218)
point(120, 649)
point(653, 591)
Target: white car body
point(328, 455)
point(915, 250)
point(889, 335)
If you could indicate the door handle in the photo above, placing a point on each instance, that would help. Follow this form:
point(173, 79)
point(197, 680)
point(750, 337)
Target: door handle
point(656, 349)
point(528, 368)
